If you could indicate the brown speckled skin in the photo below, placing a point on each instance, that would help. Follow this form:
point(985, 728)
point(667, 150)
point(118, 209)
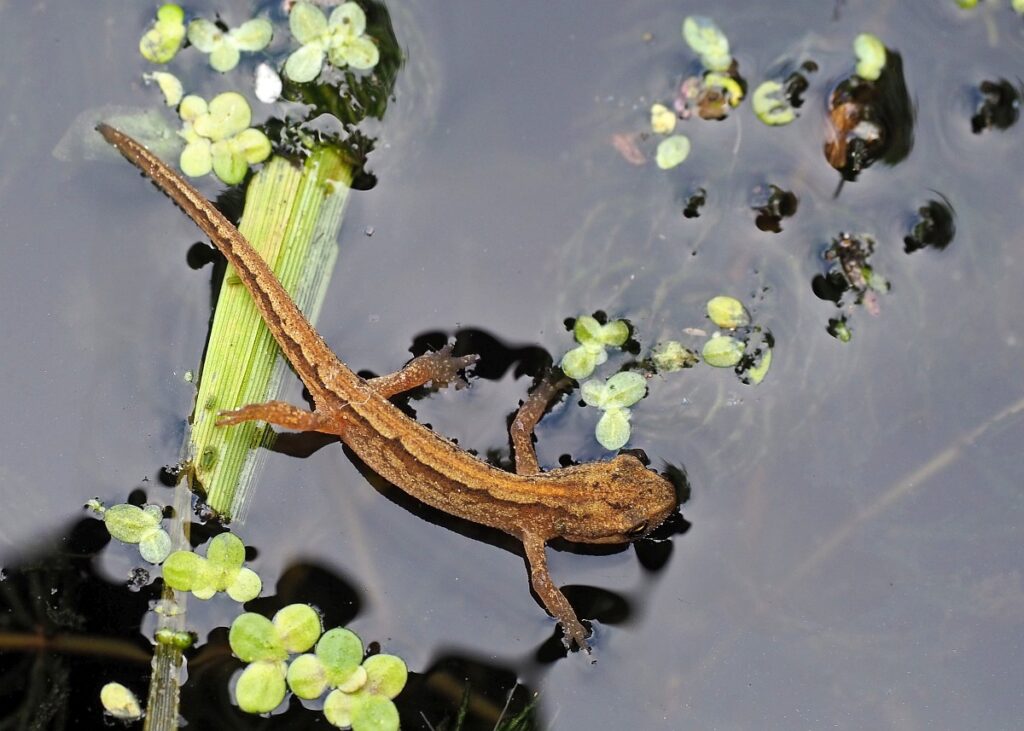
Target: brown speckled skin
point(597, 502)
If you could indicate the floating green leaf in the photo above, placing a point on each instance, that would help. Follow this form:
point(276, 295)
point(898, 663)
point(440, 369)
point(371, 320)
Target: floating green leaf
point(613, 429)
point(224, 47)
point(160, 43)
point(672, 151)
point(672, 356)
point(221, 570)
point(588, 331)
point(708, 41)
point(261, 687)
point(581, 361)
point(170, 86)
point(218, 137)
point(132, 524)
point(757, 373)
point(339, 39)
point(770, 105)
point(614, 397)
point(870, 52)
point(728, 312)
point(120, 702)
point(663, 119)
point(1018, 5)
point(620, 391)
point(722, 351)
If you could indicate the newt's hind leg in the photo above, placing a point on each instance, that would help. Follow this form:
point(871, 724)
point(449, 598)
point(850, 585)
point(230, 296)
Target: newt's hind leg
point(554, 600)
point(527, 418)
point(277, 413)
point(440, 368)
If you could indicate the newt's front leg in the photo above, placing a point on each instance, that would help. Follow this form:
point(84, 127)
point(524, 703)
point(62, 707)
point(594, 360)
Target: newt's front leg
point(554, 600)
point(440, 368)
point(521, 433)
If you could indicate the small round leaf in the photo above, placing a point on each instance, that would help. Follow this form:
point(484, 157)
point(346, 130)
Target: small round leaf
point(374, 713)
point(253, 637)
point(128, 523)
point(196, 159)
point(226, 549)
point(245, 587)
point(624, 389)
point(360, 53)
point(252, 145)
point(341, 651)
point(338, 708)
point(579, 362)
point(298, 627)
point(224, 57)
point(155, 546)
point(386, 675)
point(205, 35)
point(228, 165)
point(722, 351)
point(307, 22)
point(183, 570)
point(307, 677)
point(260, 687)
point(253, 35)
point(349, 18)
point(672, 151)
point(120, 702)
point(613, 429)
point(727, 312)
point(305, 63)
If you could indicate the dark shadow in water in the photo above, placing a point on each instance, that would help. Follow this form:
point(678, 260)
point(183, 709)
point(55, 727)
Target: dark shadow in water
point(482, 692)
point(65, 631)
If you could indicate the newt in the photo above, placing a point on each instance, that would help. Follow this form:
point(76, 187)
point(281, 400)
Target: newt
point(609, 502)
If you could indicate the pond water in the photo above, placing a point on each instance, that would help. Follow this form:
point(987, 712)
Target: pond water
point(850, 555)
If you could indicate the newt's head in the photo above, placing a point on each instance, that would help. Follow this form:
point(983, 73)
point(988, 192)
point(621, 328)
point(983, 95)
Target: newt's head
point(619, 501)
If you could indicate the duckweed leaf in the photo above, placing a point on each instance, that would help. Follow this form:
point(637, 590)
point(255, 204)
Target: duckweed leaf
point(672, 356)
point(341, 652)
point(170, 86)
point(340, 38)
point(581, 361)
point(182, 569)
point(261, 687)
point(770, 105)
point(253, 638)
point(663, 119)
point(245, 587)
point(621, 390)
point(722, 351)
point(374, 713)
point(707, 41)
point(298, 627)
point(613, 428)
point(672, 151)
point(588, 331)
point(224, 47)
point(120, 702)
point(727, 312)
point(306, 22)
point(870, 52)
point(304, 64)
point(386, 675)
point(155, 546)
point(757, 373)
point(228, 114)
point(307, 677)
point(160, 43)
point(129, 523)
point(196, 159)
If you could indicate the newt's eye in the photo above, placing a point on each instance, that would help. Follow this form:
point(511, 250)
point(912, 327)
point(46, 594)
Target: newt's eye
point(637, 530)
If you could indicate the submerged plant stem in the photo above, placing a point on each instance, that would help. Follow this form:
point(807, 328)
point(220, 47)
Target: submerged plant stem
point(292, 216)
